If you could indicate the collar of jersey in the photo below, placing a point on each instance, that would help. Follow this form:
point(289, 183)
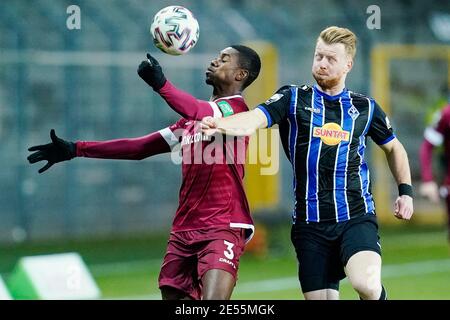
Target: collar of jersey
point(229, 97)
point(328, 97)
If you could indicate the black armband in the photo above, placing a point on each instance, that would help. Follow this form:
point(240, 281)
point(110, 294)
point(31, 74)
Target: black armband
point(405, 189)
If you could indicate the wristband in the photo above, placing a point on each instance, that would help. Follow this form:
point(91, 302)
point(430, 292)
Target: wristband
point(405, 189)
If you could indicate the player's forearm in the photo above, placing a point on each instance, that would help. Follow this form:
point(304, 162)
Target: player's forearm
point(426, 161)
point(185, 104)
point(124, 149)
point(242, 124)
point(397, 159)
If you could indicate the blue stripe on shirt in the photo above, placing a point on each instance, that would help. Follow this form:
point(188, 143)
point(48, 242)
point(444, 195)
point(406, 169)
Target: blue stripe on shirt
point(363, 168)
point(313, 159)
point(342, 162)
point(387, 140)
point(269, 118)
point(293, 141)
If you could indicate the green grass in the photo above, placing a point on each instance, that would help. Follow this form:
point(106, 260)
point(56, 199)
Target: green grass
point(416, 265)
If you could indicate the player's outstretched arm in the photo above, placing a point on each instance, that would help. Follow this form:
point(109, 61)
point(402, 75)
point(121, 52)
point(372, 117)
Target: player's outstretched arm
point(120, 149)
point(241, 124)
point(180, 101)
point(56, 151)
point(125, 149)
point(397, 159)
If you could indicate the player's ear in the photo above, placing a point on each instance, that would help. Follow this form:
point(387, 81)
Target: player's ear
point(349, 64)
point(241, 75)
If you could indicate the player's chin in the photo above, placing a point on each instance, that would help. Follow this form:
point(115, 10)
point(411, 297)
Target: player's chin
point(321, 81)
point(208, 80)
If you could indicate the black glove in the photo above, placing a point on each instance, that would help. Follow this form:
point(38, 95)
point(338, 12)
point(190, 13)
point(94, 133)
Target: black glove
point(150, 71)
point(56, 151)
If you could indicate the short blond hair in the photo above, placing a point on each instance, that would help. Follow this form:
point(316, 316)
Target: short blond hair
point(332, 35)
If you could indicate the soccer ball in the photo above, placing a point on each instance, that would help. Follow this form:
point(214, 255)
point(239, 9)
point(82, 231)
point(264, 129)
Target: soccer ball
point(174, 30)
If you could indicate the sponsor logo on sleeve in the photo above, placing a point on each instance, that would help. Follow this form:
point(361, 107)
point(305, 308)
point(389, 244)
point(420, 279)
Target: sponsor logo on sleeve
point(226, 109)
point(388, 123)
point(274, 98)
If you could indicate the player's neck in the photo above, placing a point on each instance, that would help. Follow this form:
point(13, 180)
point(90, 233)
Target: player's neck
point(333, 91)
point(224, 93)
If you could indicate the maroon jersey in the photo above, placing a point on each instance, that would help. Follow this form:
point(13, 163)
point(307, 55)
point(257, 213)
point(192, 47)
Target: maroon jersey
point(436, 135)
point(212, 193)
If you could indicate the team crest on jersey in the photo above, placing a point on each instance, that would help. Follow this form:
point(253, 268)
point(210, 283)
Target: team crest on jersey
point(331, 134)
point(225, 107)
point(353, 112)
point(274, 98)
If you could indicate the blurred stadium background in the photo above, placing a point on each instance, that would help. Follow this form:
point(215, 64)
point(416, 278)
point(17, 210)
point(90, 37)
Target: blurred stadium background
point(117, 215)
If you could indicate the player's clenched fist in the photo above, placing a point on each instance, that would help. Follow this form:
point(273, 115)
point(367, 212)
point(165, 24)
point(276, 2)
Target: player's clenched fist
point(403, 207)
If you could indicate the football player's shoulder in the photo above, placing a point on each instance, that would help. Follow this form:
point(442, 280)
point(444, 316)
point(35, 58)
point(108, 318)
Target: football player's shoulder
point(304, 90)
point(236, 103)
point(446, 111)
point(361, 99)
point(286, 91)
point(305, 87)
point(357, 95)
point(442, 116)
point(288, 87)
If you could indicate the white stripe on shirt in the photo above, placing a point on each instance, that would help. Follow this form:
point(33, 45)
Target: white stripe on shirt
point(169, 137)
point(433, 137)
point(216, 110)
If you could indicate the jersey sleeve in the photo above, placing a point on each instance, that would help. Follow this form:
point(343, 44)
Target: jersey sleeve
point(426, 160)
point(229, 106)
point(186, 105)
point(139, 148)
point(380, 129)
point(276, 108)
point(124, 149)
point(434, 133)
point(172, 134)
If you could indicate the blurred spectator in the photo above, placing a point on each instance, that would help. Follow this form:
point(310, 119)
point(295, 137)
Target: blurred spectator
point(436, 134)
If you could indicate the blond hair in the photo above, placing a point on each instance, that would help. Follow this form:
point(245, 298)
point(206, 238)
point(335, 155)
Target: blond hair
point(332, 35)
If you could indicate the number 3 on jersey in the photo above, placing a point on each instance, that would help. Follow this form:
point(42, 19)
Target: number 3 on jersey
point(229, 254)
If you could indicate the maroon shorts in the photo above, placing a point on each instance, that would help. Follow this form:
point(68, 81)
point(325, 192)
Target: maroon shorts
point(191, 253)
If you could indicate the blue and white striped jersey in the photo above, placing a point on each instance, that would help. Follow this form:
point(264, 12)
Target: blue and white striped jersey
point(324, 137)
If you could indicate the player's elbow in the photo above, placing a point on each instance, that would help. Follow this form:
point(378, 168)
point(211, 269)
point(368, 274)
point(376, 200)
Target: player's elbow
point(392, 146)
point(398, 147)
